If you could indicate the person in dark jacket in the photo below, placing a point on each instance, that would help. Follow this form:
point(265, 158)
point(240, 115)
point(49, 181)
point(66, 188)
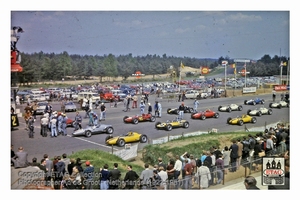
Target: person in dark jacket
point(114, 178)
point(250, 183)
point(130, 178)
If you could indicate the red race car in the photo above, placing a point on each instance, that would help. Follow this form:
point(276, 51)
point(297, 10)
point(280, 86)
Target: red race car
point(70, 122)
point(205, 114)
point(139, 118)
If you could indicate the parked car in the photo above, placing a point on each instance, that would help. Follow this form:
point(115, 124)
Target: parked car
point(231, 107)
point(91, 130)
point(70, 106)
point(240, 120)
point(192, 94)
point(254, 101)
point(139, 118)
point(205, 114)
point(41, 107)
point(127, 138)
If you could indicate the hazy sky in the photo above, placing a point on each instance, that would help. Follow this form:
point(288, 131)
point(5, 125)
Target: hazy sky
point(199, 34)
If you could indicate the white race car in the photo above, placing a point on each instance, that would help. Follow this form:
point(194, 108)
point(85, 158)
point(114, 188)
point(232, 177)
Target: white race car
point(231, 107)
point(260, 111)
point(279, 104)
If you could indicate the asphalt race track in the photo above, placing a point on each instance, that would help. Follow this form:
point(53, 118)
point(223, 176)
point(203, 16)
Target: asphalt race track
point(39, 145)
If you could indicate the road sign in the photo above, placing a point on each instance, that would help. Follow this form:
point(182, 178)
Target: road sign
point(204, 70)
point(138, 74)
point(243, 71)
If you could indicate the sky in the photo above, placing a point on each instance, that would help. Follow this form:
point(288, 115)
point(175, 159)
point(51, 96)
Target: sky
point(196, 34)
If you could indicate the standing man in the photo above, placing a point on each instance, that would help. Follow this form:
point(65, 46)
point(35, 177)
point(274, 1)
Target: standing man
point(59, 123)
point(31, 126)
point(149, 108)
point(102, 112)
point(181, 111)
point(114, 178)
point(88, 174)
point(49, 109)
point(274, 95)
point(145, 177)
point(34, 108)
point(53, 123)
point(196, 104)
point(44, 125)
point(142, 107)
point(178, 165)
point(64, 124)
point(130, 178)
point(78, 120)
point(134, 102)
point(233, 155)
point(49, 170)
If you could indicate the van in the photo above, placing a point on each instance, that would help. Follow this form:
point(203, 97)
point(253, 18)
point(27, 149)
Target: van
point(82, 95)
point(54, 90)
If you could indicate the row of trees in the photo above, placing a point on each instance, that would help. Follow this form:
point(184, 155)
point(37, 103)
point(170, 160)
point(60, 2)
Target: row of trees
point(44, 66)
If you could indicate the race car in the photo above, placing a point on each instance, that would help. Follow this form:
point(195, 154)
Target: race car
point(127, 138)
point(169, 125)
point(241, 120)
point(139, 118)
point(254, 101)
point(279, 104)
point(205, 114)
point(229, 108)
point(92, 130)
point(187, 109)
point(260, 111)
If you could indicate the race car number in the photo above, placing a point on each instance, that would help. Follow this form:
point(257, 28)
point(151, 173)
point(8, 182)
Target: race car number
point(14, 120)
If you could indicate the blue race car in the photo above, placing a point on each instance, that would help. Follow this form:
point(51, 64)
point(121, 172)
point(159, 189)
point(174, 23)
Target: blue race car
point(254, 101)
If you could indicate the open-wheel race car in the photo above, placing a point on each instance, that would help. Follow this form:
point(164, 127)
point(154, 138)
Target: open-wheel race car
point(208, 113)
point(279, 104)
point(231, 107)
point(91, 130)
point(126, 138)
point(139, 118)
point(254, 101)
point(187, 109)
point(240, 120)
point(260, 111)
point(169, 125)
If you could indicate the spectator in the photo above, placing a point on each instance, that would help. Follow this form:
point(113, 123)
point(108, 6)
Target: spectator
point(20, 158)
point(104, 178)
point(71, 165)
point(188, 169)
point(220, 168)
point(66, 160)
point(130, 178)
point(250, 183)
point(59, 169)
point(12, 154)
point(171, 171)
point(114, 177)
point(226, 159)
point(233, 155)
point(102, 112)
point(88, 175)
point(145, 177)
point(196, 104)
point(164, 177)
point(177, 170)
point(181, 111)
point(240, 153)
point(142, 107)
point(149, 108)
point(203, 175)
point(161, 164)
point(49, 170)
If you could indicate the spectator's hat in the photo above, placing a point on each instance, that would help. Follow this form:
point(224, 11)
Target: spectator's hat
point(87, 163)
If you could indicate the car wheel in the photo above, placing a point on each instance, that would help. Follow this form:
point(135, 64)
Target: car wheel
point(228, 120)
point(135, 121)
point(248, 112)
point(108, 137)
point(270, 105)
point(229, 109)
point(279, 106)
point(73, 124)
point(219, 108)
point(270, 111)
point(121, 142)
point(259, 113)
point(169, 127)
point(191, 110)
point(143, 139)
point(254, 103)
point(110, 130)
point(88, 133)
point(217, 115)
point(124, 118)
point(253, 120)
point(192, 116)
point(262, 101)
point(186, 124)
point(203, 117)
point(240, 122)
point(168, 111)
point(177, 112)
point(152, 119)
point(240, 108)
point(245, 102)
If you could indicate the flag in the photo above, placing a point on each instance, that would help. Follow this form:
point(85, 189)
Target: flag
point(224, 63)
point(234, 70)
point(232, 65)
point(181, 65)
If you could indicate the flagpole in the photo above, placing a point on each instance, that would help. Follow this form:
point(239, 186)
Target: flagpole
point(287, 74)
point(280, 74)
